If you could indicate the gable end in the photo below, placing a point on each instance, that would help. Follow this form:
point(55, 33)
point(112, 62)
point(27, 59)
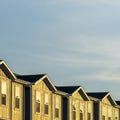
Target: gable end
point(7, 72)
point(49, 84)
point(84, 96)
point(113, 103)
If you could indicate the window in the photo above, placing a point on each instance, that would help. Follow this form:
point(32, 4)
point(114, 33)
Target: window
point(37, 101)
point(89, 116)
point(116, 114)
point(81, 115)
point(56, 107)
point(74, 111)
point(116, 118)
point(103, 117)
point(3, 91)
point(89, 111)
point(109, 118)
point(17, 97)
point(46, 104)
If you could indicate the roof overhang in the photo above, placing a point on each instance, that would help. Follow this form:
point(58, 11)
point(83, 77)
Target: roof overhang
point(61, 93)
point(7, 70)
point(82, 92)
point(48, 83)
point(111, 99)
point(22, 82)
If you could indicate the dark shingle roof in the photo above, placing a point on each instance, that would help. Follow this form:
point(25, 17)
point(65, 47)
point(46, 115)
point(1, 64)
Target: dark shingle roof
point(99, 95)
point(30, 78)
point(118, 102)
point(67, 89)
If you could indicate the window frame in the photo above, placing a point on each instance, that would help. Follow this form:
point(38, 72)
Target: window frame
point(46, 104)
point(109, 118)
point(57, 107)
point(3, 99)
point(37, 101)
point(103, 117)
point(37, 106)
point(81, 115)
point(73, 112)
point(89, 116)
point(17, 97)
point(3, 93)
point(17, 102)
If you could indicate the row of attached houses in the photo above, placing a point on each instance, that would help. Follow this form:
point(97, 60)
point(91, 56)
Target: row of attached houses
point(35, 97)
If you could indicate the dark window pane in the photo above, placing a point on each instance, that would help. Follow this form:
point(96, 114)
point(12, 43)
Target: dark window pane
point(81, 116)
point(56, 112)
point(46, 109)
point(103, 117)
point(37, 106)
point(109, 118)
point(116, 118)
point(3, 99)
point(17, 102)
point(74, 115)
point(89, 116)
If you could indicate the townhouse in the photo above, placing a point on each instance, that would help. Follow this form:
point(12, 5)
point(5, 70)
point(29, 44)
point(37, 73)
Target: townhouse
point(11, 94)
point(105, 107)
point(44, 99)
point(77, 105)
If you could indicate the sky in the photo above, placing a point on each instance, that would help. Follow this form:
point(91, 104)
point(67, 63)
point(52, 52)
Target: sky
point(74, 42)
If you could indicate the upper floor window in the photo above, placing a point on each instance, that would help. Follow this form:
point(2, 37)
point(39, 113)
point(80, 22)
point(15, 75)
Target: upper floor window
point(46, 103)
point(74, 111)
point(17, 97)
point(89, 116)
point(3, 92)
point(116, 114)
point(37, 101)
point(103, 117)
point(81, 115)
point(57, 107)
point(81, 110)
point(109, 118)
point(116, 118)
point(89, 111)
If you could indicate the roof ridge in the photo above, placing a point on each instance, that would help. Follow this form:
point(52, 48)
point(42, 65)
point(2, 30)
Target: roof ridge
point(69, 86)
point(29, 74)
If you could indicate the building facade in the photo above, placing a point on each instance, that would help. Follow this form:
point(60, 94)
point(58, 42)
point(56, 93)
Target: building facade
point(35, 97)
point(105, 107)
point(79, 106)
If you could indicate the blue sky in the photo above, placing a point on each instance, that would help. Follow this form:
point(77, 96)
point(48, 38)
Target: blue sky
point(74, 42)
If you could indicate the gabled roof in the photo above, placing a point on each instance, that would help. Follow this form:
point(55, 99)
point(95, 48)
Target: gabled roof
point(7, 70)
point(102, 95)
point(37, 77)
point(67, 89)
point(118, 102)
point(73, 89)
point(99, 95)
point(30, 78)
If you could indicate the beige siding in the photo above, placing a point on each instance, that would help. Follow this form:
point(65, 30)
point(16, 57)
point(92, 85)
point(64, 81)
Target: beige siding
point(80, 104)
point(108, 110)
point(43, 89)
point(5, 109)
point(17, 113)
point(56, 102)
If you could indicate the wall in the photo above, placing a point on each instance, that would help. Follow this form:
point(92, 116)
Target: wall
point(17, 113)
point(42, 89)
point(5, 109)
